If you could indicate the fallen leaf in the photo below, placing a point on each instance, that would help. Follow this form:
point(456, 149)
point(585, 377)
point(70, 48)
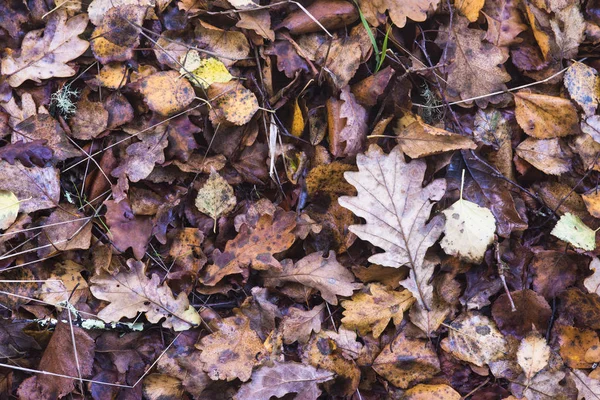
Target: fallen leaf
point(347, 122)
point(407, 361)
point(545, 117)
point(253, 247)
point(40, 186)
point(467, 55)
point(216, 197)
point(162, 387)
point(583, 85)
point(28, 153)
point(474, 338)
point(425, 392)
point(9, 208)
point(66, 284)
point(504, 23)
point(232, 351)
point(98, 8)
point(554, 271)
point(331, 14)
point(371, 311)
point(44, 127)
point(533, 313)
point(166, 93)
point(418, 139)
point(588, 388)
point(326, 275)
point(469, 230)
point(573, 231)
point(399, 11)
point(63, 235)
point(229, 46)
point(533, 354)
point(131, 292)
point(546, 155)
point(470, 8)
point(297, 325)
point(368, 90)
point(385, 185)
point(126, 228)
point(592, 282)
point(574, 345)
point(90, 120)
point(592, 201)
point(233, 104)
point(258, 21)
point(282, 378)
point(203, 72)
point(45, 52)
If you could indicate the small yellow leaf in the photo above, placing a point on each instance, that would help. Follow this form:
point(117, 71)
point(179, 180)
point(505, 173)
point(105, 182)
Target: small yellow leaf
point(297, 121)
point(572, 230)
point(204, 71)
point(9, 208)
point(533, 354)
point(470, 8)
point(216, 198)
point(166, 93)
point(233, 104)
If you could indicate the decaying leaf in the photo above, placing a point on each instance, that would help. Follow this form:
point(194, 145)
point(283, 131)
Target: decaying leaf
point(40, 186)
point(546, 155)
point(131, 292)
point(216, 197)
point(326, 275)
point(533, 354)
point(589, 388)
point(399, 11)
point(9, 208)
point(573, 231)
point(545, 117)
point(280, 379)
point(233, 104)
point(386, 185)
point(423, 392)
point(372, 310)
point(583, 85)
point(204, 71)
point(298, 324)
point(592, 282)
point(347, 122)
point(166, 93)
point(232, 351)
point(469, 230)
point(470, 8)
point(45, 52)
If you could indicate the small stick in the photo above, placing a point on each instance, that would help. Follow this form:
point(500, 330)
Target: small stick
point(502, 267)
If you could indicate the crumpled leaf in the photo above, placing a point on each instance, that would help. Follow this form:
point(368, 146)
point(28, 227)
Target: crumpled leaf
point(204, 71)
point(474, 338)
point(297, 325)
point(126, 228)
point(9, 208)
point(326, 275)
point(347, 121)
point(282, 378)
point(131, 292)
point(469, 56)
point(232, 351)
point(572, 230)
point(545, 117)
point(41, 186)
point(399, 10)
point(546, 155)
point(469, 230)
point(386, 186)
point(372, 310)
point(533, 354)
point(45, 52)
point(253, 247)
point(216, 197)
point(592, 282)
point(583, 84)
point(28, 153)
point(418, 139)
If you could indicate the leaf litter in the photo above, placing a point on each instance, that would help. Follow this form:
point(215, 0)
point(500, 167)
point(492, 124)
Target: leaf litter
point(327, 199)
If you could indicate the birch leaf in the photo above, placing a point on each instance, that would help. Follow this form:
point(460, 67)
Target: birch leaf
point(533, 354)
point(216, 198)
point(9, 208)
point(572, 230)
point(396, 206)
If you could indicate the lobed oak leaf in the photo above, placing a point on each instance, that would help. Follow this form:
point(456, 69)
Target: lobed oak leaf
point(28, 153)
point(474, 338)
point(396, 206)
point(126, 228)
point(253, 247)
point(474, 66)
point(588, 388)
point(399, 11)
point(347, 121)
point(533, 354)
point(44, 127)
point(9, 208)
point(418, 139)
point(546, 117)
point(216, 197)
point(326, 275)
point(232, 351)
point(45, 52)
point(372, 310)
point(282, 378)
point(297, 325)
point(131, 292)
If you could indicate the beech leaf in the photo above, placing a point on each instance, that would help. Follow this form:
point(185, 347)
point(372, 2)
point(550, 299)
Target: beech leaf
point(572, 230)
point(396, 206)
point(131, 292)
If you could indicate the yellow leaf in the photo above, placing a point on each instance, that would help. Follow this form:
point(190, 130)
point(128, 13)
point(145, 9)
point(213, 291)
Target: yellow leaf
point(204, 71)
point(9, 208)
point(216, 198)
point(573, 231)
point(533, 354)
point(166, 92)
point(469, 8)
point(546, 117)
point(297, 121)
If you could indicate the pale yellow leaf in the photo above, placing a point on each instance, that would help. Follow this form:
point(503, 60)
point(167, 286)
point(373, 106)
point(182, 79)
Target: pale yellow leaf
point(204, 71)
point(216, 198)
point(533, 354)
point(583, 85)
point(572, 230)
point(9, 208)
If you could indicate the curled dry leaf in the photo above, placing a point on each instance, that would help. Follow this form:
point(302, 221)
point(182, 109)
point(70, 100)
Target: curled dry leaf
point(545, 117)
point(572, 230)
point(45, 52)
point(347, 122)
point(131, 292)
point(282, 378)
point(331, 14)
point(326, 275)
point(386, 184)
point(418, 139)
point(372, 310)
point(232, 351)
point(9, 208)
